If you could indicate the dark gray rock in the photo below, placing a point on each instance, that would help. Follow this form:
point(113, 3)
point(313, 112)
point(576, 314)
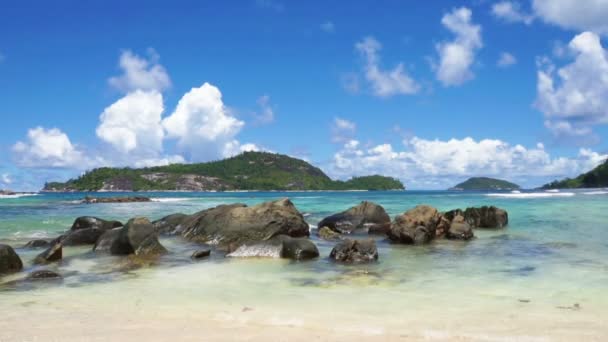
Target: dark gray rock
point(53, 253)
point(327, 234)
point(459, 229)
point(36, 244)
point(355, 251)
point(137, 237)
point(169, 224)
point(201, 253)
point(415, 226)
point(238, 224)
point(86, 236)
point(85, 222)
point(105, 241)
point(43, 275)
point(365, 215)
point(281, 246)
point(481, 217)
point(9, 260)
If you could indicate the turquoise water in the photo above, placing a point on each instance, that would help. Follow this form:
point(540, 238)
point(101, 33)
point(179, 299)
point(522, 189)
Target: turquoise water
point(552, 255)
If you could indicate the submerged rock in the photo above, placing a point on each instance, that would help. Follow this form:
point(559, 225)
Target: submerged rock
point(355, 251)
point(365, 215)
point(415, 226)
point(169, 224)
point(53, 253)
point(136, 237)
point(9, 260)
point(327, 234)
point(201, 253)
point(43, 275)
point(39, 243)
point(281, 246)
point(237, 224)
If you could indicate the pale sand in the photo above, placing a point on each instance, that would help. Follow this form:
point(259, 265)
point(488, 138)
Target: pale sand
point(46, 321)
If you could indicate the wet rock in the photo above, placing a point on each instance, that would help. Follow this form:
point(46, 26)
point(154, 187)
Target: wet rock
point(130, 199)
point(482, 217)
point(201, 253)
point(137, 237)
point(53, 253)
point(237, 224)
point(459, 229)
point(415, 226)
point(105, 241)
point(170, 224)
point(9, 260)
point(36, 244)
point(43, 275)
point(365, 215)
point(85, 222)
point(87, 236)
point(327, 234)
point(281, 246)
point(355, 251)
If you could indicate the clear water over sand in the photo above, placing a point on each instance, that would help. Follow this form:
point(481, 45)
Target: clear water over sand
point(545, 277)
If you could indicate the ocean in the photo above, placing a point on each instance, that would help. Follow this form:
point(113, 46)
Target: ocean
point(543, 277)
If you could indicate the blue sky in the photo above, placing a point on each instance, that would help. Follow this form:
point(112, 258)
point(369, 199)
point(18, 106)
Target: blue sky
point(428, 92)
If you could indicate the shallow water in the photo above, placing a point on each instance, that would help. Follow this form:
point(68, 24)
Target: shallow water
point(548, 264)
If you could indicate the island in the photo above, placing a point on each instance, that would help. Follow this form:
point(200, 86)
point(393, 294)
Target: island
point(485, 183)
point(596, 178)
point(247, 171)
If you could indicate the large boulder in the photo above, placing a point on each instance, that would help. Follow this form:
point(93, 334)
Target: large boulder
point(53, 253)
point(169, 224)
point(137, 237)
point(281, 246)
point(236, 224)
point(459, 229)
point(355, 251)
point(38, 243)
point(86, 230)
point(415, 226)
point(481, 217)
point(9, 260)
point(85, 222)
point(105, 241)
point(365, 215)
point(327, 234)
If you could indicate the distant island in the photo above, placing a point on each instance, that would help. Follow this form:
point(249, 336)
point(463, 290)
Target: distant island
point(247, 171)
point(485, 183)
point(596, 178)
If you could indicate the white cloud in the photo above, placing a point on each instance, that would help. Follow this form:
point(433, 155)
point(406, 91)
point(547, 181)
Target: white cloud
point(49, 148)
point(202, 125)
point(575, 96)
point(6, 179)
point(457, 56)
point(506, 59)
point(511, 11)
point(384, 83)
point(579, 15)
point(266, 113)
point(438, 163)
point(328, 27)
point(140, 73)
point(133, 124)
point(342, 130)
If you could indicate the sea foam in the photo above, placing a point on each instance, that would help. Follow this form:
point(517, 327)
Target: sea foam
point(533, 195)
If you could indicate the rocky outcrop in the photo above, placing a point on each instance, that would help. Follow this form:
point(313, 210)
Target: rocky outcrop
point(9, 260)
point(87, 222)
point(170, 224)
point(86, 230)
point(459, 229)
point(237, 224)
point(327, 234)
point(38, 243)
point(415, 226)
point(482, 217)
point(130, 199)
point(53, 253)
point(365, 215)
point(355, 251)
point(136, 237)
point(281, 246)
point(105, 241)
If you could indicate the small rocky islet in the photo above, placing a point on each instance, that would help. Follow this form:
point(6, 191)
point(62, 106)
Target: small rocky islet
point(274, 229)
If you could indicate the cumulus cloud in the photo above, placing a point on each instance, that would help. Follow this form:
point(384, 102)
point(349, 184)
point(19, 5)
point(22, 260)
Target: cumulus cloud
point(6, 179)
point(458, 55)
point(384, 83)
point(438, 163)
point(575, 97)
point(49, 148)
point(328, 27)
point(202, 125)
point(266, 114)
point(140, 73)
point(506, 59)
point(133, 123)
point(588, 15)
point(511, 11)
point(342, 130)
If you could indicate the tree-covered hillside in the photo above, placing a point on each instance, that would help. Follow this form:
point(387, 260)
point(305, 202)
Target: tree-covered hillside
point(485, 183)
point(595, 178)
point(247, 171)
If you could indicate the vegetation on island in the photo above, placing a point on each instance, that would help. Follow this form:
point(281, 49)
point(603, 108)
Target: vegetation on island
point(485, 183)
point(247, 171)
point(596, 178)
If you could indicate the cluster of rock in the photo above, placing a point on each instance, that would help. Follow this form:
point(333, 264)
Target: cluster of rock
point(272, 229)
point(130, 199)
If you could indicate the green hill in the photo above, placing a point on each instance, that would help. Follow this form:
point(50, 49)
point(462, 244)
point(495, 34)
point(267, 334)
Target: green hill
point(247, 171)
point(596, 178)
point(485, 183)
